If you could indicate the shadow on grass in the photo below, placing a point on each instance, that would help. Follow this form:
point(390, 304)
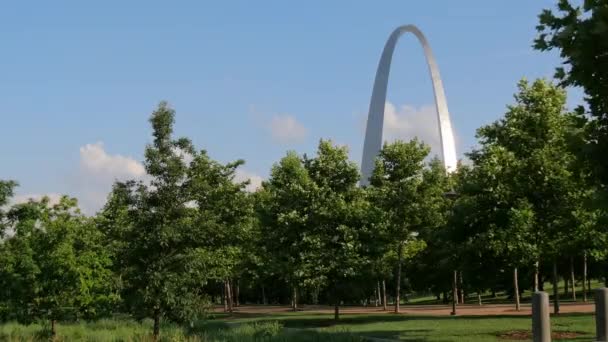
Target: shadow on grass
point(325, 320)
point(270, 331)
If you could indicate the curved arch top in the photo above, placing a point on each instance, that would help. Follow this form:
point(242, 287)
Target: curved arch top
point(375, 119)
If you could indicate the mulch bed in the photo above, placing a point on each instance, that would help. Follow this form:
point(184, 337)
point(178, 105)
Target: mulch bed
point(527, 335)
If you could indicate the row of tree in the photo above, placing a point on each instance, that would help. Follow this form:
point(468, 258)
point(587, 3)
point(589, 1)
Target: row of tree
point(529, 207)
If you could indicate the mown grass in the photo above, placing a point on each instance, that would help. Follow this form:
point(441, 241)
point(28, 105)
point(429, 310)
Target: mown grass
point(433, 328)
point(301, 327)
point(502, 298)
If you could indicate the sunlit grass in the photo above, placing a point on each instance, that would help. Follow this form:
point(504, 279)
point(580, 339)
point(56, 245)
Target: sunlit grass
point(433, 329)
point(131, 331)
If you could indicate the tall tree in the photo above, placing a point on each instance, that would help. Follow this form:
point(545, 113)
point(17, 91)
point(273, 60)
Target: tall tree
point(180, 229)
point(580, 34)
point(530, 168)
point(409, 196)
point(284, 205)
point(337, 218)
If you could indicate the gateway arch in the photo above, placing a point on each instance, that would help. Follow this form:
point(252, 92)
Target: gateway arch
point(375, 118)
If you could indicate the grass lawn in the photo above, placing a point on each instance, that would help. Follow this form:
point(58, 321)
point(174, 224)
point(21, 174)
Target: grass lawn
point(436, 329)
point(501, 297)
point(304, 327)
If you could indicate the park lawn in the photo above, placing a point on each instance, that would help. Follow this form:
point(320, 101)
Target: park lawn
point(303, 327)
point(434, 328)
point(502, 298)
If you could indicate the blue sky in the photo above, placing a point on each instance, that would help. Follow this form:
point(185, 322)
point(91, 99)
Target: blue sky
point(251, 80)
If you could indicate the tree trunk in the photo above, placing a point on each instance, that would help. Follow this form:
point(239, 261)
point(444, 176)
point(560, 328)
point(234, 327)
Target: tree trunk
point(479, 298)
point(555, 289)
point(536, 264)
point(236, 294)
point(53, 329)
point(516, 288)
point(225, 296)
point(454, 292)
point(585, 287)
point(384, 295)
point(398, 285)
point(455, 288)
point(572, 280)
point(156, 324)
point(294, 298)
point(461, 287)
point(378, 297)
point(337, 310)
point(263, 295)
point(229, 295)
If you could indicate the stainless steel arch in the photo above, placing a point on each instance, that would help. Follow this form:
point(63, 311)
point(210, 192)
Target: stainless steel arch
point(375, 119)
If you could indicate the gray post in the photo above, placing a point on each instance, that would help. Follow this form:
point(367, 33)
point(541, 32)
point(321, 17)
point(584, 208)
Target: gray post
point(601, 314)
point(541, 325)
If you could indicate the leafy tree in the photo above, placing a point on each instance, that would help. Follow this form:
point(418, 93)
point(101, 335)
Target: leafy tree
point(524, 175)
point(54, 265)
point(580, 33)
point(180, 230)
point(337, 221)
point(490, 221)
point(284, 204)
point(409, 196)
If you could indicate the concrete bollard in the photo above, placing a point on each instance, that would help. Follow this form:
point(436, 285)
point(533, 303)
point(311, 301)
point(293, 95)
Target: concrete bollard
point(601, 314)
point(541, 324)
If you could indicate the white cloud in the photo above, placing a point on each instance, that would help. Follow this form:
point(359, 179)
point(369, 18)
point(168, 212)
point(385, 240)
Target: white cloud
point(53, 198)
point(96, 161)
point(255, 181)
point(287, 129)
point(407, 122)
point(98, 172)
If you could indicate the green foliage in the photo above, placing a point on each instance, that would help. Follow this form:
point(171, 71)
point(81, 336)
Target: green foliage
point(54, 265)
point(337, 216)
point(283, 206)
point(409, 196)
point(176, 233)
point(523, 200)
point(580, 33)
point(6, 192)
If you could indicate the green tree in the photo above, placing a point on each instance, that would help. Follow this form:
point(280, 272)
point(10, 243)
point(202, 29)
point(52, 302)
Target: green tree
point(490, 221)
point(284, 204)
point(580, 34)
point(54, 265)
point(410, 196)
point(525, 170)
point(337, 218)
point(180, 230)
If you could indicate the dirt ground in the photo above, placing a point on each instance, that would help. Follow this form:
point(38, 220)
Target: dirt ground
point(439, 310)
